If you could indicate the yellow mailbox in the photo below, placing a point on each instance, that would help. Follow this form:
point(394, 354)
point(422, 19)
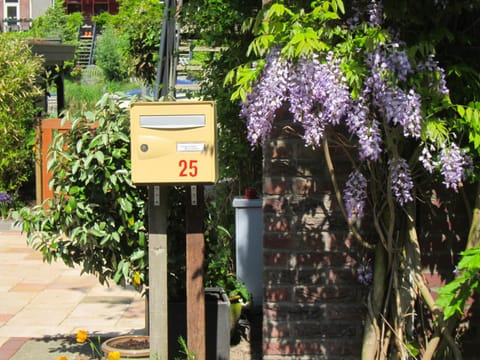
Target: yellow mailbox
point(173, 142)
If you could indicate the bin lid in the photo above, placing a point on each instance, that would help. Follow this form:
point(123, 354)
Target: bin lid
point(216, 293)
point(241, 202)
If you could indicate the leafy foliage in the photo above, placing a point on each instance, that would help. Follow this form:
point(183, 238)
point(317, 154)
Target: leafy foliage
point(226, 23)
point(56, 24)
point(139, 23)
point(454, 296)
point(19, 71)
point(96, 217)
point(220, 258)
point(404, 127)
point(108, 54)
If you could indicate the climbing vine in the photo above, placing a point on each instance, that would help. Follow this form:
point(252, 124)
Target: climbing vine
point(349, 79)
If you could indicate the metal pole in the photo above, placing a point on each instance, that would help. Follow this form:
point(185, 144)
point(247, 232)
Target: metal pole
point(161, 51)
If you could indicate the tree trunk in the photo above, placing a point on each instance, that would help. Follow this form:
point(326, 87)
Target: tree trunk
point(371, 335)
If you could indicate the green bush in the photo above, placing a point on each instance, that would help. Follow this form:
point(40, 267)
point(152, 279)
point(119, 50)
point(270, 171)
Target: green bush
point(108, 55)
point(96, 216)
point(19, 70)
point(56, 24)
point(140, 23)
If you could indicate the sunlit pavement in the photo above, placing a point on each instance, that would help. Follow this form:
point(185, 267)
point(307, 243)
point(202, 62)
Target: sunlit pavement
point(43, 305)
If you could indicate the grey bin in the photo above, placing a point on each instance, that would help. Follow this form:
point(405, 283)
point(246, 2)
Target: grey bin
point(217, 324)
point(249, 245)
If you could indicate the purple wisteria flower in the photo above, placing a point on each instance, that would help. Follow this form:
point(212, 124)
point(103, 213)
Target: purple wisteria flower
point(397, 61)
point(435, 73)
point(397, 105)
point(5, 198)
point(365, 274)
point(404, 109)
point(316, 91)
point(375, 12)
point(426, 158)
point(267, 96)
point(453, 165)
point(401, 182)
point(318, 95)
point(355, 195)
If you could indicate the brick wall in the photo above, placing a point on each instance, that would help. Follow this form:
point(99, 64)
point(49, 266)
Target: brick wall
point(313, 304)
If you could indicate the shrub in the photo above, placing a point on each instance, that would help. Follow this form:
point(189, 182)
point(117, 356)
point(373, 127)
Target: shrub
point(55, 23)
point(96, 217)
point(19, 70)
point(108, 56)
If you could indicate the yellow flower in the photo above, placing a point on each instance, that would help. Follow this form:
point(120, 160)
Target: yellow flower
point(137, 280)
point(114, 355)
point(62, 358)
point(82, 336)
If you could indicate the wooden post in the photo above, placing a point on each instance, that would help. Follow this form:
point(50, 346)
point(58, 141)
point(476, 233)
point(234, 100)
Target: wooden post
point(157, 260)
point(195, 259)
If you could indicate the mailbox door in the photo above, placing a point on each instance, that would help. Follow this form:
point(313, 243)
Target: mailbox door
point(173, 142)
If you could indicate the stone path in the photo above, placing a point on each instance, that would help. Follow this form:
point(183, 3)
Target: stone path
point(43, 305)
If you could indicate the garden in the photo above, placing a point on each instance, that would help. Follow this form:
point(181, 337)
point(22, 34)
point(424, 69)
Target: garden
point(393, 84)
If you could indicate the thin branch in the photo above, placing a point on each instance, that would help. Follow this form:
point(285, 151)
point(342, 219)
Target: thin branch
point(338, 195)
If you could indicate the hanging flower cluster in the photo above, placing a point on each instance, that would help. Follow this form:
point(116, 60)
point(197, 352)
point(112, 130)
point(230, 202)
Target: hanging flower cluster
point(355, 195)
point(266, 98)
point(317, 94)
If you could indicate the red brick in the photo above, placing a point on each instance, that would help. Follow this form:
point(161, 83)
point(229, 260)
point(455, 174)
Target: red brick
point(293, 312)
point(281, 241)
point(353, 312)
point(276, 294)
point(275, 259)
point(273, 330)
point(433, 280)
point(309, 330)
point(277, 224)
point(279, 276)
point(325, 293)
point(327, 276)
point(313, 347)
point(324, 259)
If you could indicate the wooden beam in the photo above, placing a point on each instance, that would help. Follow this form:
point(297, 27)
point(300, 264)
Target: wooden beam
point(157, 260)
point(195, 277)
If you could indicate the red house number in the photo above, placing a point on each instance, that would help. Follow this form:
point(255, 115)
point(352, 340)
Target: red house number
point(188, 168)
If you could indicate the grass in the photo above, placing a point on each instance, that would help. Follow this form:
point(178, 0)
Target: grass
point(80, 97)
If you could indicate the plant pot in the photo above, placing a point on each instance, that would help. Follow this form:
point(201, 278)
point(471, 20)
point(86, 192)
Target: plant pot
point(235, 313)
point(129, 346)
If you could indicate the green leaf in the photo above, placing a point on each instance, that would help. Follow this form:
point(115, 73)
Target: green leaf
point(116, 236)
point(125, 205)
point(79, 145)
point(100, 157)
point(138, 254)
point(340, 5)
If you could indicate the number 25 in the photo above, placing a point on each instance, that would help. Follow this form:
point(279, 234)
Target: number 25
point(188, 168)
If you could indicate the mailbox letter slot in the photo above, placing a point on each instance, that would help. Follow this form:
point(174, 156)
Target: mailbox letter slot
point(172, 121)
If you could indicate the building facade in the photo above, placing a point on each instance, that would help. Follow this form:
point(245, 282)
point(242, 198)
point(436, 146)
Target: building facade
point(90, 8)
point(17, 15)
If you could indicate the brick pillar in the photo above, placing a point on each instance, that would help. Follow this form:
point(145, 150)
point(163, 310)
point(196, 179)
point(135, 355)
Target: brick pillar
point(313, 305)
